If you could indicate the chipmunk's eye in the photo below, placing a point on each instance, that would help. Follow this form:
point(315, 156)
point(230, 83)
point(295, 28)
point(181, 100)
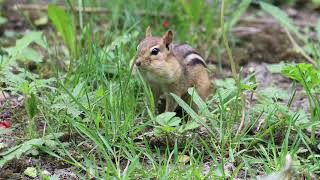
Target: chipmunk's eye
point(154, 51)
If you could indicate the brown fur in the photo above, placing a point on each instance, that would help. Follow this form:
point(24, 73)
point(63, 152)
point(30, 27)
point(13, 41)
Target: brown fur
point(169, 71)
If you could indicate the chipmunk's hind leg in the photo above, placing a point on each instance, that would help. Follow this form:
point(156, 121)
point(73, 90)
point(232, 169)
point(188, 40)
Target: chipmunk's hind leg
point(156, 97)
point(188, 100)
point(181, 112)
point(170, 103)
point(203, 83)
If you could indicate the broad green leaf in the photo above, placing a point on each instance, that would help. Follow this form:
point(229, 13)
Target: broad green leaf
point(29, 37)
point(31, 105)
point(73, 110)
point(227, 83)
point(17, 151)
point(163, 130)
point(164, 118)
point(175, 121)
point(41, 21)
point(64, 25)
point(100, 92)
point(167, 122)
point(305, 74)
point(250, 85)
point(28, 54)
point(189, 126)
point(2, 20)
point(31, 172)
point(158, 131)
point(274, 93)
point(167, 129)
point(21, 50)
point(17, 81)
point(276, 68)
point(10, 33)
point(24, 87)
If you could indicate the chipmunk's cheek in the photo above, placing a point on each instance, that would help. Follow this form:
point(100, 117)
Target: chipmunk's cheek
point(144, 64)
point(154, 65)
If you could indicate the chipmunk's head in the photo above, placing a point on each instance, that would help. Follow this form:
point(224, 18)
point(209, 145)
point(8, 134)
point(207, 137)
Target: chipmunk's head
point(155, 58)
point(153, 50)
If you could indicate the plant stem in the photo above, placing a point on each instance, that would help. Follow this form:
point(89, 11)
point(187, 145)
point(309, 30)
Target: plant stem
point(226, 44)
point(233, 67)
point(299, 49)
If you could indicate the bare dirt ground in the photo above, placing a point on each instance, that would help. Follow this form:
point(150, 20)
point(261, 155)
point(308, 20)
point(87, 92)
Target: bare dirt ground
point(261, 41)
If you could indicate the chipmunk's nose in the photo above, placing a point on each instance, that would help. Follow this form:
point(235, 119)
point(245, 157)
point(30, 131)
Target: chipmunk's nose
point(138, 63)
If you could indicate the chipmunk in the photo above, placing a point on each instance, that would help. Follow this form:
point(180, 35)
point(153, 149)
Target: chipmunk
point(170, 68)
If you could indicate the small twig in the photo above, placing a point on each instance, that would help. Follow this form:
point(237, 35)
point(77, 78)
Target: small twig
point(44, 7)
point(299, 49)
point(273, 22)
point(259, 125)
point(245, 31)
point(261, 20)
point(126, 168)
point(4, 95)
point(243, 113)
point(251, 98)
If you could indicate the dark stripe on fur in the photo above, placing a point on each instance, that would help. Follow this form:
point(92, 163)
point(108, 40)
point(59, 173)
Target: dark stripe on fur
point(196, 61)
point(181, 44)
point(190, 52)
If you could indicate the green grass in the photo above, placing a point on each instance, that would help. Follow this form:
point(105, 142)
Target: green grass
point(108, 115)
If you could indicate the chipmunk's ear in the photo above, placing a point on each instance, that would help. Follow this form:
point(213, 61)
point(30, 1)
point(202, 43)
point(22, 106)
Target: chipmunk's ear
point(167, 38)
point(148, 32)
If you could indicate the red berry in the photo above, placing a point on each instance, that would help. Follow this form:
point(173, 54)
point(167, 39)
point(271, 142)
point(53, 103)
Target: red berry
point(5, 124)
point(165, 24)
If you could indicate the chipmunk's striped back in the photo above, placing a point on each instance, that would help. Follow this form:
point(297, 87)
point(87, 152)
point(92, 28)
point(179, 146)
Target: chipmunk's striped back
point(188, 55)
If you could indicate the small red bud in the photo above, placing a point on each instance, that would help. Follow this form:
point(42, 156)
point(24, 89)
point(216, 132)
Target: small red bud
point(165, 24)
point(5, 124)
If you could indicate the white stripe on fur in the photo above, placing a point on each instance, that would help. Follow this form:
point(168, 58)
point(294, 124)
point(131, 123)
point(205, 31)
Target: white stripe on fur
point(194, 56)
